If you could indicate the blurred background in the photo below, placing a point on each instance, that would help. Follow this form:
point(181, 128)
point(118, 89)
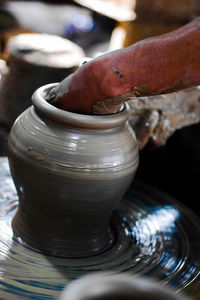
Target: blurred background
point(31, 55)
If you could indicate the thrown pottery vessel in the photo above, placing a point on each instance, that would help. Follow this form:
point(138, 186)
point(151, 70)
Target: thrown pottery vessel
point(103, 286)
point(70, 172)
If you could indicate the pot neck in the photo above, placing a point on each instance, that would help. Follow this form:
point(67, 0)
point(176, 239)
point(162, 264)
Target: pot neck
point(62, 117)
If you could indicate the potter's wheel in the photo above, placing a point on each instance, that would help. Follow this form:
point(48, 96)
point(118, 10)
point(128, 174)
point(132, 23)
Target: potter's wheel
point(155, 236)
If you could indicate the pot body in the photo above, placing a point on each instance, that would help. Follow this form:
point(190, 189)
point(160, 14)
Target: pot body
point(70, 172)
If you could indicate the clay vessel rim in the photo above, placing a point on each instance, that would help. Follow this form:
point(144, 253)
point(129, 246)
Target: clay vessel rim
point(67, 118)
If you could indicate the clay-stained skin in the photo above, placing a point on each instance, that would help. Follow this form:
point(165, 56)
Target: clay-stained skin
point(156, 65)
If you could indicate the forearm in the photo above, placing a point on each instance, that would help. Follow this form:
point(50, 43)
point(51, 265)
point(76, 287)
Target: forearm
point(155, 65)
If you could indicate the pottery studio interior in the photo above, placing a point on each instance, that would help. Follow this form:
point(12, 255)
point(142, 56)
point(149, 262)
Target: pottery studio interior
point(99, 149)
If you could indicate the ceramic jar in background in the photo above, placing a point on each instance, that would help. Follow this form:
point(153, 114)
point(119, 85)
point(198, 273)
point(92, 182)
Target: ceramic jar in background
point(70, 172)
point(103, 286)
point(33, 59)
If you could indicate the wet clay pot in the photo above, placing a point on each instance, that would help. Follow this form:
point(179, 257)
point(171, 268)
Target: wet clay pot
point(70, 172)
point(103, 286)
